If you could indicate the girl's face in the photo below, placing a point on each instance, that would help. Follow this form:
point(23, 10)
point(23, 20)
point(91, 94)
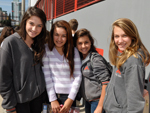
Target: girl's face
point(84, 45)
point(33, 26)
point(59, 37)
point(122, 41)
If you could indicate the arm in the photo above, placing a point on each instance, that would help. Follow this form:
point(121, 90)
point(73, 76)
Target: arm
point(7, 90)
point(134, 82)
point(49, 84)
point(77, 76)
point(76, 83)
point(99, 107)
point(102, 73)
point(100, 69)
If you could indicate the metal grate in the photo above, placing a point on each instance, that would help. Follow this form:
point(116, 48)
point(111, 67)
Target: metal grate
point(59, 7)
point(56, 8)
point(84, 3)
point(69, 6)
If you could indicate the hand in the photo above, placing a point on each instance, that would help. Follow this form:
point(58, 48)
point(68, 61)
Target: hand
point(98, 109)
point(11, 109)
point(14, 112)
point(66, 106)
point(55, 106)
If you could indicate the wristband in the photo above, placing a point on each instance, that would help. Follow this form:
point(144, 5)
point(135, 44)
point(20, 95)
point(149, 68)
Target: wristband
point(10, 110)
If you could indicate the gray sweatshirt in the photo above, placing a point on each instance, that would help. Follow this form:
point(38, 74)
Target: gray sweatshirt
point(20, 80)
point(124, 93)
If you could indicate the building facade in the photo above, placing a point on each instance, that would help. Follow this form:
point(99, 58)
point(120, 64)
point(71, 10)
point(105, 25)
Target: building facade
point(1, 14)
point(16, 12)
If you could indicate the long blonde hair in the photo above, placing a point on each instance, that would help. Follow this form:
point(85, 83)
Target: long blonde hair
point(130, 29)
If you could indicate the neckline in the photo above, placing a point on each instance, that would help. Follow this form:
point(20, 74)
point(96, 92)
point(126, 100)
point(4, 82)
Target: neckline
point(60, 57)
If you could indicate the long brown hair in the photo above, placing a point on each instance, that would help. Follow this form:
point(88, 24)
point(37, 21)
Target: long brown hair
point(130, 29)
point(81, 33)
point(5, 33)
point(68, 48)
point(38, 44)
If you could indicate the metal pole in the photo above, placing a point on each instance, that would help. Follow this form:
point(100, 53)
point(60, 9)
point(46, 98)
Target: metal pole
point(23, 7)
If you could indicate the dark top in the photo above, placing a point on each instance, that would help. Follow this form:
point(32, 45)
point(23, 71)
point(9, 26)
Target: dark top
point(20, 79)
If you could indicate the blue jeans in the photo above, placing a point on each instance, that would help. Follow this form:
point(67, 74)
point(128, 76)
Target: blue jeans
point(91, 106)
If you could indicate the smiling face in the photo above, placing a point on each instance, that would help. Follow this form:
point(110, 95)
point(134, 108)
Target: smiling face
point(121, 40)
point(84, 45)
point(33, 27)
point(59, 37)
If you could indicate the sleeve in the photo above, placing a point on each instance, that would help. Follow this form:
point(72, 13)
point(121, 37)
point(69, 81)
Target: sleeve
point(134, 82)
point(48, 78)
point(77, 76)
point(100, 69)
point(7, 90)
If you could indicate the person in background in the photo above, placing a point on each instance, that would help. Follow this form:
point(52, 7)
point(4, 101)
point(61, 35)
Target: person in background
point(94, 69)
point(22, 84)
point(47, 36)
point(7, 31)
point(74, 25)
point(17, 28)
point(124, 93)
point(61, 67)
point(12, 30)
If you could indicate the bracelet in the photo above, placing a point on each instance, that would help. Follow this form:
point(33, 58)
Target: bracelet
point(10, 110)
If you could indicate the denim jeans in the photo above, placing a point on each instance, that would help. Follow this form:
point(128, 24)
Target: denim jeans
point(91, 106)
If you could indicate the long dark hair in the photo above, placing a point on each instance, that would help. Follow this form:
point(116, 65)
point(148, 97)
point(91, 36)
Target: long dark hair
point(38, 44)
point(81, 33)
point(68, 48)
point(5, 33)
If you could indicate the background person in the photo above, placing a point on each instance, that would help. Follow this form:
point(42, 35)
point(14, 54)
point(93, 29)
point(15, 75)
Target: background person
point(94, 70)
point(129, 56)
point(74, 25)
point(7, 31)
point(61, 67)
point(22, 83)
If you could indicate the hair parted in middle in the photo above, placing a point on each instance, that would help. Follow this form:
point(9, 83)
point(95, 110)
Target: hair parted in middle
point(68, 48)
point(39, 41)
point(81, 33)
point(131, 30)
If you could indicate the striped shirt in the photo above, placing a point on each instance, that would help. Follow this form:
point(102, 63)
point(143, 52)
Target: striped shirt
point(57, 74)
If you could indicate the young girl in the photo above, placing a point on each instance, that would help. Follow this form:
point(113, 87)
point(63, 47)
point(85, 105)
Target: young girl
point(94, 69)
point(61, 67)
point(22, 83)
point(124, 93)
